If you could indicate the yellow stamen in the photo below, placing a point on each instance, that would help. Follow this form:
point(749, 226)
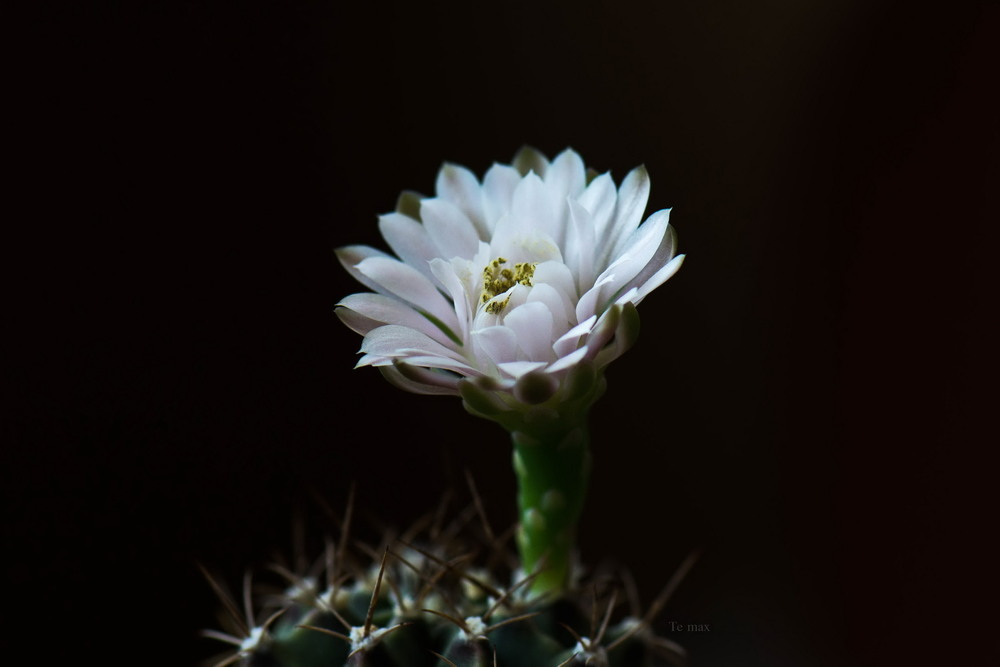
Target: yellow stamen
point(497, 279)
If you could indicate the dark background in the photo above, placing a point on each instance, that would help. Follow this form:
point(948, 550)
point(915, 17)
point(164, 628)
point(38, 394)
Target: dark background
point(809, 400)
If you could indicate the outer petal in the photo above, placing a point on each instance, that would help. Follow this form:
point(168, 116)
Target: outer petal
point(603, 331)
point(529, 159)
point(571, 359)
point(600, 199)
point(357, 322)
point(640, 248)
point(447, 275)
point(352, 255)
point(628, 296)
point(571, 339)
point(409, 240)
point(592, 302)
point(664, 253)
point(518, 368)
point(408, 203)
point(459, 186)
point(566, 176)
point(632, 197)
point(407, 283)
point(534, 209)
point(382, 310)
point(394, 341)
point(420, 381)
point(452, 232)
point(659, 278)
point(430, 361)
point(580, 245)
point(498, 192)
point(616, 278)
point(626, 333)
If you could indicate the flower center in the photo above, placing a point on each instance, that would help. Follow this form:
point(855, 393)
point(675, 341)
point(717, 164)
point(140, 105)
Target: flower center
point(497, 279)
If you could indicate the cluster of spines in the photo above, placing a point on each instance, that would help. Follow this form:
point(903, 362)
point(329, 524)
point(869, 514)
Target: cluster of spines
point(433, 607)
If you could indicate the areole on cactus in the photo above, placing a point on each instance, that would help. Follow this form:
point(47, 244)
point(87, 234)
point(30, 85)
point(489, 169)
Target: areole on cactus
point(514, 293)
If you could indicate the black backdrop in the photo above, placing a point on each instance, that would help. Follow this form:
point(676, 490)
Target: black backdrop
point(808, 400)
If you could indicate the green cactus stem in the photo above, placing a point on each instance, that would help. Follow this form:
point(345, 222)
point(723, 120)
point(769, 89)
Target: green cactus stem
point(547, 421)
point(552, 474)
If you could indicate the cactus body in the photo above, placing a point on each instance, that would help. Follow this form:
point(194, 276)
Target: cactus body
point(430, 607)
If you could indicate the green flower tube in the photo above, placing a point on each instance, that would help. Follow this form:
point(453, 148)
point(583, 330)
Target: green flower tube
point(552, 479)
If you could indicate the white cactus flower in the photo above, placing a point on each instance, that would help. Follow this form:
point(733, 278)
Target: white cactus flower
point(524, 274)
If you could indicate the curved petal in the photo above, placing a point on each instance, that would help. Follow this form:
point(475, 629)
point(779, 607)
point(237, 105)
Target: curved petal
point(452, 232)
point(640, 248)
point(519, 243)
point(458, 185)
point(632, 197)
point(593, 300)
point(532, 325)
point(658, 278)
point(498, 343)
point(528, 159)
point(352, 255)
point(615, 279)
point(664, 253)
point(571, 339)
point(383, 309)
point(625, 335)
point(433, 384)
point(533, 209)
point(394, 341)
point(580, 245)
point(518, 368)
point(571, 359)
point(498, 192)
point(603, 331)
point(628, 297)
point(567, 175)
point(557, 275)
point(413, 358)
point(355, 321)
point(409, 240)
point(563, 315)
point(456, 286)
point(405, 282)
point(600, 199)
point(408, 203)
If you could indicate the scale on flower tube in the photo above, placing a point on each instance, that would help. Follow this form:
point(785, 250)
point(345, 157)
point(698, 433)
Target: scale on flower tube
point(497, 279)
